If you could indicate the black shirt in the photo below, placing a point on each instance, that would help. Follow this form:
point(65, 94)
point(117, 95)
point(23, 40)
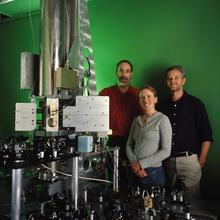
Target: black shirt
point(190, 123)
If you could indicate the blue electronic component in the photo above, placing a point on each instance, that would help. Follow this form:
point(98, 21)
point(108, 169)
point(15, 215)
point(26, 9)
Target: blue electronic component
point(85, 143)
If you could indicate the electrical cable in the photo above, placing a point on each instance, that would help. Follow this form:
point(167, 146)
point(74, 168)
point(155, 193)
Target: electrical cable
point(31, 24)
point(80, 177)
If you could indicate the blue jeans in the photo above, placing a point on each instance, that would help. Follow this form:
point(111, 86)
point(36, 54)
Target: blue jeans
point(155, 177)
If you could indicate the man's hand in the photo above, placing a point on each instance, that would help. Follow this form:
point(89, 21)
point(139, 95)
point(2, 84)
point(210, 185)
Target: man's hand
point(202, 162)
point(204, 153)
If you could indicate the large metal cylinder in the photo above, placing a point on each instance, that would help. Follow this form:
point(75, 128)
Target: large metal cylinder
point(17, 187)
point(57, 35)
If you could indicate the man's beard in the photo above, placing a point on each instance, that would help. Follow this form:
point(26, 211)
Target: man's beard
point(121, 83)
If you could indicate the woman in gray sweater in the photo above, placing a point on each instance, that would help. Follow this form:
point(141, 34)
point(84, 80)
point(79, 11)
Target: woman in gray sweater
point(149, 141)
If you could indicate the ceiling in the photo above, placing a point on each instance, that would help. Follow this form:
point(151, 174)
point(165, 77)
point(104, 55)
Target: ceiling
point(14, 8)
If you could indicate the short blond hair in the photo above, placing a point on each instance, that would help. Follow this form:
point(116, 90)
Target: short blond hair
point(148, 87)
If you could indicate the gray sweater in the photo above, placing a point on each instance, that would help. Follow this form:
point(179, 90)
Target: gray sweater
point(149, 143)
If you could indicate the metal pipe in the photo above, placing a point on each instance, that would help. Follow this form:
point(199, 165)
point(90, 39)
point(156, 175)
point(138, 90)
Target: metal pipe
point(115, 173)
point(17, 185)
point(75, 180)
point(71, 30)
point(57, 33)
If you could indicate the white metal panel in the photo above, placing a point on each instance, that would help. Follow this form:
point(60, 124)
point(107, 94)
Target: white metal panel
point(91, 113)
point(25, 116)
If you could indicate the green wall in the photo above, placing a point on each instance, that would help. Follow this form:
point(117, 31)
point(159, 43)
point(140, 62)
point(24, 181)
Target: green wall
point(153, 35)
point(156, 34)
point(16, 35)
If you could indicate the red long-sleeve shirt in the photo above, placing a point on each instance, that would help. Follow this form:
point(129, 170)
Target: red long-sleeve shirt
point(123, 108)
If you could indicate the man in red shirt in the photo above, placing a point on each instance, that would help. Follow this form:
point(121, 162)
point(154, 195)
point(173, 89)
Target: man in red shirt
point(123, 108)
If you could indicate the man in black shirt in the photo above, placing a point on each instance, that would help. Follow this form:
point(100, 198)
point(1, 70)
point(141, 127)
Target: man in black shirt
point(191, 137)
